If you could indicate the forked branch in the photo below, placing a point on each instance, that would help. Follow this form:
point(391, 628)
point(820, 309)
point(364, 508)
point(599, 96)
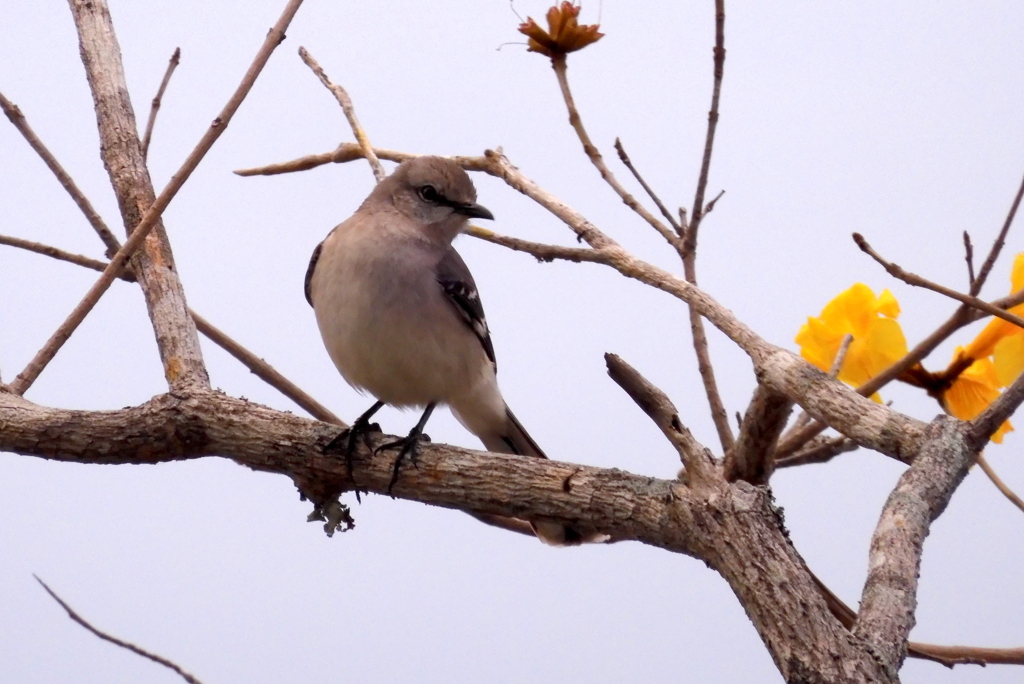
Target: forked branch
point(118, 262)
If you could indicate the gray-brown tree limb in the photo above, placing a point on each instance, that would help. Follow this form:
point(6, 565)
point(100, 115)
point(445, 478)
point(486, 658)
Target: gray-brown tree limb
point(153, 263)
point(734, 527)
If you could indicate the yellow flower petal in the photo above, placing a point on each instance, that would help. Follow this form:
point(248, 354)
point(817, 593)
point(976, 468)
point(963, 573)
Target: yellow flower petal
point(887, 304)
point(878, 340)
point(973, 391)
point(1008, 358)
point(1017, 275)
point(985, 343)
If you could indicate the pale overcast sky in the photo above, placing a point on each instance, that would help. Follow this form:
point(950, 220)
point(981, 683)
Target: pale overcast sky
point(902, 121)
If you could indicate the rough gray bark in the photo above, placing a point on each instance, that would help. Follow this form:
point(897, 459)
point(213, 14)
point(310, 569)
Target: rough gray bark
point(732, 527)
point(752, 457)
point(121, 151)
point(889, 600)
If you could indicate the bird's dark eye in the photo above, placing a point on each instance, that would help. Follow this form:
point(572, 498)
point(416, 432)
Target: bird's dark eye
point(429, 193)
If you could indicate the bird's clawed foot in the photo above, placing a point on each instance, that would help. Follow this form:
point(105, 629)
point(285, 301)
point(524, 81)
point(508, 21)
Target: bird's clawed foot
point(409, 445)
point(346, 439)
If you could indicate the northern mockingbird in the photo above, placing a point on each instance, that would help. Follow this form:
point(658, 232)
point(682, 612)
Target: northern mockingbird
point(401, 318)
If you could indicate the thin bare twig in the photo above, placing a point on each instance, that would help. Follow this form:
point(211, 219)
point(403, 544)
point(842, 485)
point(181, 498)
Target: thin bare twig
point(345, 101)
point(496, 164)
point(155, 107)
point(969, 258)
point(25, 379)
point(624, 158)
point(264, 371)
point(837, 363)
point(61, 255)
point(493, 163)
point(711, 205)
point(543, 252)
point(719, 415)
point(998, 482)
point(347, 152)
point(819, 450)
point(913, 279)
point(560, 65)
point(114, 640)
point(709, 140)
point(997, 245)
point(656, 404)
point(18, 119)
point(258, 366)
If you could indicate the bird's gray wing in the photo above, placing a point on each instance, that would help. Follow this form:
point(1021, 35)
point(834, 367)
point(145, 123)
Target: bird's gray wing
point(459, 288)
point(309, 272)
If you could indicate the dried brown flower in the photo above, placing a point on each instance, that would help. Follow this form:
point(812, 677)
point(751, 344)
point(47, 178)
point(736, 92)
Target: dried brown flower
point(565, 34)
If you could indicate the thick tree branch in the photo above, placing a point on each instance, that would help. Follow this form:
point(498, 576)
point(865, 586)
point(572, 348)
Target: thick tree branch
point(889, 600)
point(695, 457)
point(733, 528)
point(153, 263)
point(752, 456)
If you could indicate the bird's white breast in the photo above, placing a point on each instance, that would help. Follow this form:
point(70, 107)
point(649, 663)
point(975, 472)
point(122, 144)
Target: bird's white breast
point(386, 323)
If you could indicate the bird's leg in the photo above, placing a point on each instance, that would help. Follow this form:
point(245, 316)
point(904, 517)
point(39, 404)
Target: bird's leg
point(358, 429)
point(410, 444)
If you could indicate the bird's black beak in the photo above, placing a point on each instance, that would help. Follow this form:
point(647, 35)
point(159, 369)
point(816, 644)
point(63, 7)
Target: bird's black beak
point(473, 210)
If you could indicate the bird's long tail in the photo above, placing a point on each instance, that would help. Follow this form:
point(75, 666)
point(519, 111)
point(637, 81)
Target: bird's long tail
point(514, 439)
